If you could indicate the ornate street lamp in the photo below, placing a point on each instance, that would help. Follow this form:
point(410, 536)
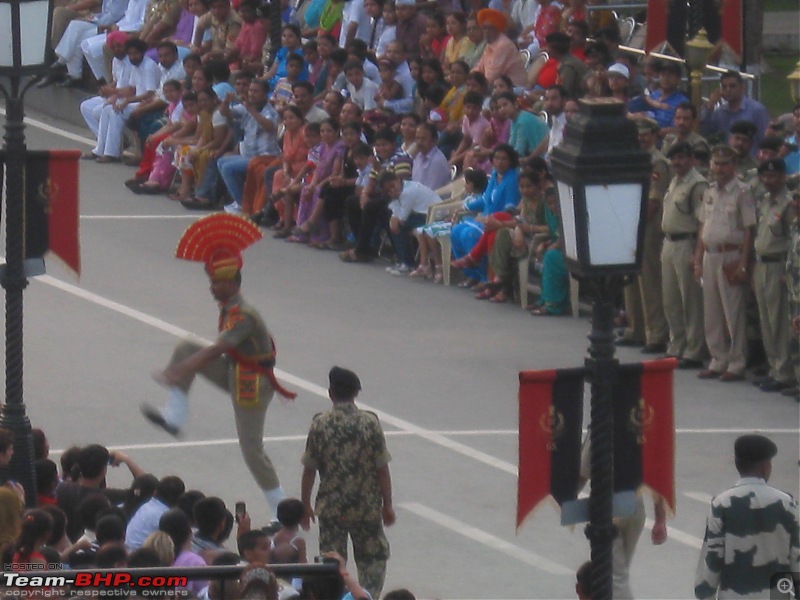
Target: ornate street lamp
point(697, 51)
point(24, 50)
point(794, 83)
point(602, 176)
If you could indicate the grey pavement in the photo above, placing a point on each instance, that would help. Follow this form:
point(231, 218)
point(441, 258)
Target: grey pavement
point(440, 367)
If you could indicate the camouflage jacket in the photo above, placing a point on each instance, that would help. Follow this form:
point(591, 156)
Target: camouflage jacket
point(751, 534)
point(346, 446)
point(793, 266)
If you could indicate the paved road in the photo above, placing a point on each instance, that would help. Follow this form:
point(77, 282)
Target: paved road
point(439, 367)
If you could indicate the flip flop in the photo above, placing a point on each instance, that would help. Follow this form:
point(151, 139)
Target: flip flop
point(193, 203)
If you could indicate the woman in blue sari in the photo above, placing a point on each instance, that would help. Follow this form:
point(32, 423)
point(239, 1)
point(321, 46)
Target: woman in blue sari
point(497, 203)
point(555, 280)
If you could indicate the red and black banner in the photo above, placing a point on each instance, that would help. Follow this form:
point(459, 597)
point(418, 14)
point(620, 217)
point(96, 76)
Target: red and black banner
point(550, 421)
point(644, 429)
point(51, 205)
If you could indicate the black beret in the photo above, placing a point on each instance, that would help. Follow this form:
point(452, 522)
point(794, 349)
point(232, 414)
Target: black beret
point(744, 128)
point(343, 382)
point(773, 165)
point(754, 448)
point(684, 148)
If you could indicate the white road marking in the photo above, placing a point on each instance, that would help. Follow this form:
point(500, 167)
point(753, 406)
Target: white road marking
point(57, 131)
point(487, 539)
point(699, 496)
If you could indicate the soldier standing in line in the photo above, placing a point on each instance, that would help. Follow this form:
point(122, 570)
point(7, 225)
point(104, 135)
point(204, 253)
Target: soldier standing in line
point(741, 139)
point(683, 297)
point(772, 246)
point(793, 285)
point(721, 264)
point(751, 531)
point(347, 446)
point(643, 299)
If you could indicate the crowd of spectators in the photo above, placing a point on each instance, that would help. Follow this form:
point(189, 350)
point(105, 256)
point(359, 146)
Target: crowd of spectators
point(81, 523)
point(368, 113)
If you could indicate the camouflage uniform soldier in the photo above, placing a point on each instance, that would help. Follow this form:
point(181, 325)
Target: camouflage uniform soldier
point(751, 531)
point(346, 445)
point(772, 245)
point(793, 284)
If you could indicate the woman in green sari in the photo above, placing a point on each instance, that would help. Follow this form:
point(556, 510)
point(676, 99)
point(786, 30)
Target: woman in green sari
point(555, 281)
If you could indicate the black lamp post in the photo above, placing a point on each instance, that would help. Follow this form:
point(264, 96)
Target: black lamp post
point(24, 51)
point(602, 177)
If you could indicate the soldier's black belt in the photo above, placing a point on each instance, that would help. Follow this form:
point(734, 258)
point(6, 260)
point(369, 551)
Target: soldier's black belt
point(677, 237)
point(771, 258)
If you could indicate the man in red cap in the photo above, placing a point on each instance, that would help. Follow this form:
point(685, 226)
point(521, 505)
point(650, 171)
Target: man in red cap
point(239, 362)
point(501, 56)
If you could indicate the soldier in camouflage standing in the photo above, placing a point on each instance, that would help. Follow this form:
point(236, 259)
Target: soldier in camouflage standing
point(793, 283)
point(751, 531)
point(347, 446)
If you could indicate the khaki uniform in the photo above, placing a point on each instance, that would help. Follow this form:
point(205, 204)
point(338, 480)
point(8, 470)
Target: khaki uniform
point(793, 282)
point(772, 243)
point(727, 213)
point(223, 35)
point(347, 447)
point(752, 179)
point(643, 301)
point(241, 328)
point(683, 297)
point(745, 165)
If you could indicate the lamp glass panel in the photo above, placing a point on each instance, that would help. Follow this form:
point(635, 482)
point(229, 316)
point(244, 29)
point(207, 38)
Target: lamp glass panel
point(567, 203)
point(613, 222)
point(33, 25)
point(6, 47)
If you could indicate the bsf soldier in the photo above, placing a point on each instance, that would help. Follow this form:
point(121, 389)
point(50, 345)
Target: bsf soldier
point(768, 149)
point(741, 138)
point(772, 242)
point(793, 285)
point(643, 301)
point(683, 297)
point(721, 259)
point(683, 122)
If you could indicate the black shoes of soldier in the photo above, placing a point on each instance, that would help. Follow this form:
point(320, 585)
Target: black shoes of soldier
point(154, 416)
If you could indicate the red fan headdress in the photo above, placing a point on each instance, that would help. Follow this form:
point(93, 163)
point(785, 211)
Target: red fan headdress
point(218, 241)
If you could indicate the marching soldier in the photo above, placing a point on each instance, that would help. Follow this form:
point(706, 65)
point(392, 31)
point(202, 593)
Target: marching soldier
point(721, 259)
point(683, 297)
point(772, 246)
point(240, 361)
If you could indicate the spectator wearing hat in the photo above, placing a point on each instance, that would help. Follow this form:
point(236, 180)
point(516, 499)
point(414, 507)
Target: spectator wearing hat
point(751, 531)
point(662, 102)
point(501, 56)
point(683, 297)
point(742, 138)
point(410, 27)
point(793, 285)
point(772, 243)
point(683, 128)
point(721, 260)
point(347, 447)
point(643, 299)
point(618, 77)
point(729, 104)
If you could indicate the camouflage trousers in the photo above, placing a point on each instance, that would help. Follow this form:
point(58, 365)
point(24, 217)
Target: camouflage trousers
point(370, 549)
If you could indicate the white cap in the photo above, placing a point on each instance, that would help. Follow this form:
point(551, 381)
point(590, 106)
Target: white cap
point(619, 69)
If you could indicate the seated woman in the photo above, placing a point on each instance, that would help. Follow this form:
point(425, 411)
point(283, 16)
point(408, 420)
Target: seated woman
point(555, 277)
point(294, 156)
point(291, 43)
point(514, 241)
point(154, 153)
point(287, 197)
point(208, 142)
point(428, 235)
point(495, 207)
point(310, 217)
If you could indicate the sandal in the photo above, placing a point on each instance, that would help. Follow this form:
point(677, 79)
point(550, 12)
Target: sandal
point(297, 238)
point(421, 272)
point(282, 234)
point(499, 297)
point(469, 282)
point(463, 263)
point(542, 311)
point(193, 203)
point(485, 294)
point(351, 256)
point(438, 275)
point(335, 246)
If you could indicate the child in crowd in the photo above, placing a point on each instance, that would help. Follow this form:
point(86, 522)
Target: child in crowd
point(360, 89)
point(473, 127)
point(287, 545)
point(282, 94)
point(475, 182)
point(498, 133)
point(314, 60)
point(362, 157)
point(191, 63)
